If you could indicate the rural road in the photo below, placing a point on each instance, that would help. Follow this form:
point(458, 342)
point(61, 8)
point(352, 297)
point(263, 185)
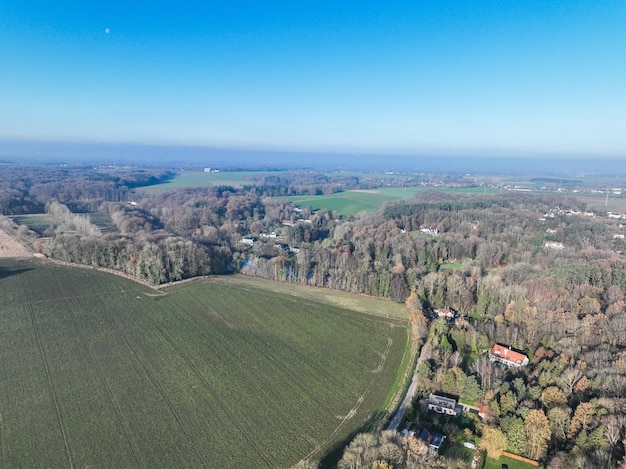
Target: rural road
point(410, 394)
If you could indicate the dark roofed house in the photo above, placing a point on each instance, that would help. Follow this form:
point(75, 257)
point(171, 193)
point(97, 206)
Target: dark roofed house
point(507, 356)
point(433, 440)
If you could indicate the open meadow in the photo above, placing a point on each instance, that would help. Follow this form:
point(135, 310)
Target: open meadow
point(350, 203)
point(40, 222)
point(185, 179)
point(101, 371)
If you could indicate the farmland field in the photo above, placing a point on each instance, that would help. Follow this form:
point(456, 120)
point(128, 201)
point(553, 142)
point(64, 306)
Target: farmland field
point(362, 303)
point(100, 371)
point(350, 202)
point(202, 179)
point(40, 222)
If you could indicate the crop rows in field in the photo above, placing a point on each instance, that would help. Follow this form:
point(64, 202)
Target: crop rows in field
point(98, 370)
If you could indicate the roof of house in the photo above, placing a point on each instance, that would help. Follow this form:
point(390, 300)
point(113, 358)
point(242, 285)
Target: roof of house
point(506, 353)
point(437, 440)
point(442, 401)
point(433, 439)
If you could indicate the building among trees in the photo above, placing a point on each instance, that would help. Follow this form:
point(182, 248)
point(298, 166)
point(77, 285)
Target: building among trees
point(507, 356)
point(443, 405)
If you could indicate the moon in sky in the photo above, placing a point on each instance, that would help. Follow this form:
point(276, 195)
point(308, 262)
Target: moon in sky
point(107, 30)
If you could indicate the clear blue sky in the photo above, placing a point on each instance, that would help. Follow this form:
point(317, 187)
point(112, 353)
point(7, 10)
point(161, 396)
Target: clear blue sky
point(418, 77)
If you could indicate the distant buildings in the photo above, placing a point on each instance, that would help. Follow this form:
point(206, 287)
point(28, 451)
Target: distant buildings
point(429, 231)
point(553, 245)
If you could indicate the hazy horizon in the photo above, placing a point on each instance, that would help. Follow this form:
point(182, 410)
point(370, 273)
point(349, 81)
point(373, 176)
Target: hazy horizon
point(16, 152)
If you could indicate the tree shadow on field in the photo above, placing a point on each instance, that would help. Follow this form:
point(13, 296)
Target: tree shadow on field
point(332, 457)
point(9, 271)
point(334, 454)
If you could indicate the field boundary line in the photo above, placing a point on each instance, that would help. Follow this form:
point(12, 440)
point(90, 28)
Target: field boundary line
point(119, 273)
point(109, 392)
point(55, 399)
point(157, 288)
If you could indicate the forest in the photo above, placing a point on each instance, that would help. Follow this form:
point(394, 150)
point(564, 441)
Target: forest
point(539, 272)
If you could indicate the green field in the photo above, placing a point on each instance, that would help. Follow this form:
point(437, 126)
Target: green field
point(40, 222)
point(202, 179)
point(361, 303)
point(99, 371)
point(351, 202)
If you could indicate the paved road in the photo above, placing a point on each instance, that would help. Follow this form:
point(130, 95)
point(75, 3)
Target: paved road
point(410, 394)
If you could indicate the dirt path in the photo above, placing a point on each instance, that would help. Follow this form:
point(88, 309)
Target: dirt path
point(10, 247)
point(410, 394)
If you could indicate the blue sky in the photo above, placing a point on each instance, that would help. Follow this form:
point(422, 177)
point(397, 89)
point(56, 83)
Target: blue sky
point(436, 77)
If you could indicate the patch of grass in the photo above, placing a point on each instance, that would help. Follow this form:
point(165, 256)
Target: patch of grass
point(102, 221)
point(348, 203)
point(38, 222)
point(361, 303)
point(99, 370)
point(599, 201)
point(459, 452)
point(512, 463)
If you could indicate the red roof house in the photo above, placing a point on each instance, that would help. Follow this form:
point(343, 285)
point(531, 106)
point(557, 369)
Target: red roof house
point(507, 356)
